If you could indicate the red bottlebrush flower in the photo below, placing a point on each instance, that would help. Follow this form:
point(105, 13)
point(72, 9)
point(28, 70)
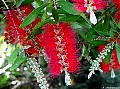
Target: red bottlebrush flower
point(60, 46)
point(14, 19)
point(38, 40)
point(117, 3)
point(113, 64)
point(14, 33)
point(117, 16)
point(32, 52)
point(30, 49)
point(87, 5)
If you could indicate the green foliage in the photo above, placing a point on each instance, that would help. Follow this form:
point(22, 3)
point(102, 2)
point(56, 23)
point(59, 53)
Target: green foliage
point(55, 15)
point(13, 55)
point(108, 57)
point(32, 16)
point(23, 2)
point(19, 2)
point(118, 51)
point(20, 59)
point(68, 7)
point(97, 42)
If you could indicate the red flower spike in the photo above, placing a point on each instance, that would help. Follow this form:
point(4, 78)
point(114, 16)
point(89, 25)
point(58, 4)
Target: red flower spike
point(60, 46)
point(117, 3)
point(83, 5)
point(38, 40)
point(14, 33)
point(113, 62)
point(117, 16)
point(14, 19)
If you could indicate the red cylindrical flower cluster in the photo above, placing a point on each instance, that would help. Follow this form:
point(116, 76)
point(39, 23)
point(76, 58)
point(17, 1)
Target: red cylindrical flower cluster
point(31, 49)
point(113, 63)
point(117, 16)
point(84, 5)
point(117, 3)
point(15, 34)
point(60, 46)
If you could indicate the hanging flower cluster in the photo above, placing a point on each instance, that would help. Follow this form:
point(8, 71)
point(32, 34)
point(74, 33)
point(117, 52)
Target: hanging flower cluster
point(117, 3)
point(60, 47)
point(38, 74)
point(113, 63)
point(90, 6)
point(117, 16)
point(15, 34)
point(95, 64)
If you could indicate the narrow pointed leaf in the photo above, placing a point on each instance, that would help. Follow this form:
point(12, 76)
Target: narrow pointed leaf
point(111, 33)
point(19, 2)
point(32, 16)
point(107, 58)
point(55, 15)
point(20, 59)
point(68, 7)
point(97, 42)
point(70, 18)
point(81, 33)
point(118, 51)
point(13, 55)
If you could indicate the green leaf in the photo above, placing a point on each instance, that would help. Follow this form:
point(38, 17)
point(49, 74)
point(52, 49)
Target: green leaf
point(118, 51)
point(68, 7)
point(33, 34)
point(83, 22)
point(97, 42)
point(39, 2)
point(111, 33)
point(19, 2)
point(107, 58)
point(40, 24)
point(26, 2)
point(70, 18)
point(85, 51)
point(75, 25)
point(81, 33)
point(20, 59)
point(32, 16)
point(118, 56)
point(101, 33)
point(44, 16)
point(55, 15)
point(13, 55)
point(106, 23)
point(108, 9)
point(84, 16)
point(117, 47)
